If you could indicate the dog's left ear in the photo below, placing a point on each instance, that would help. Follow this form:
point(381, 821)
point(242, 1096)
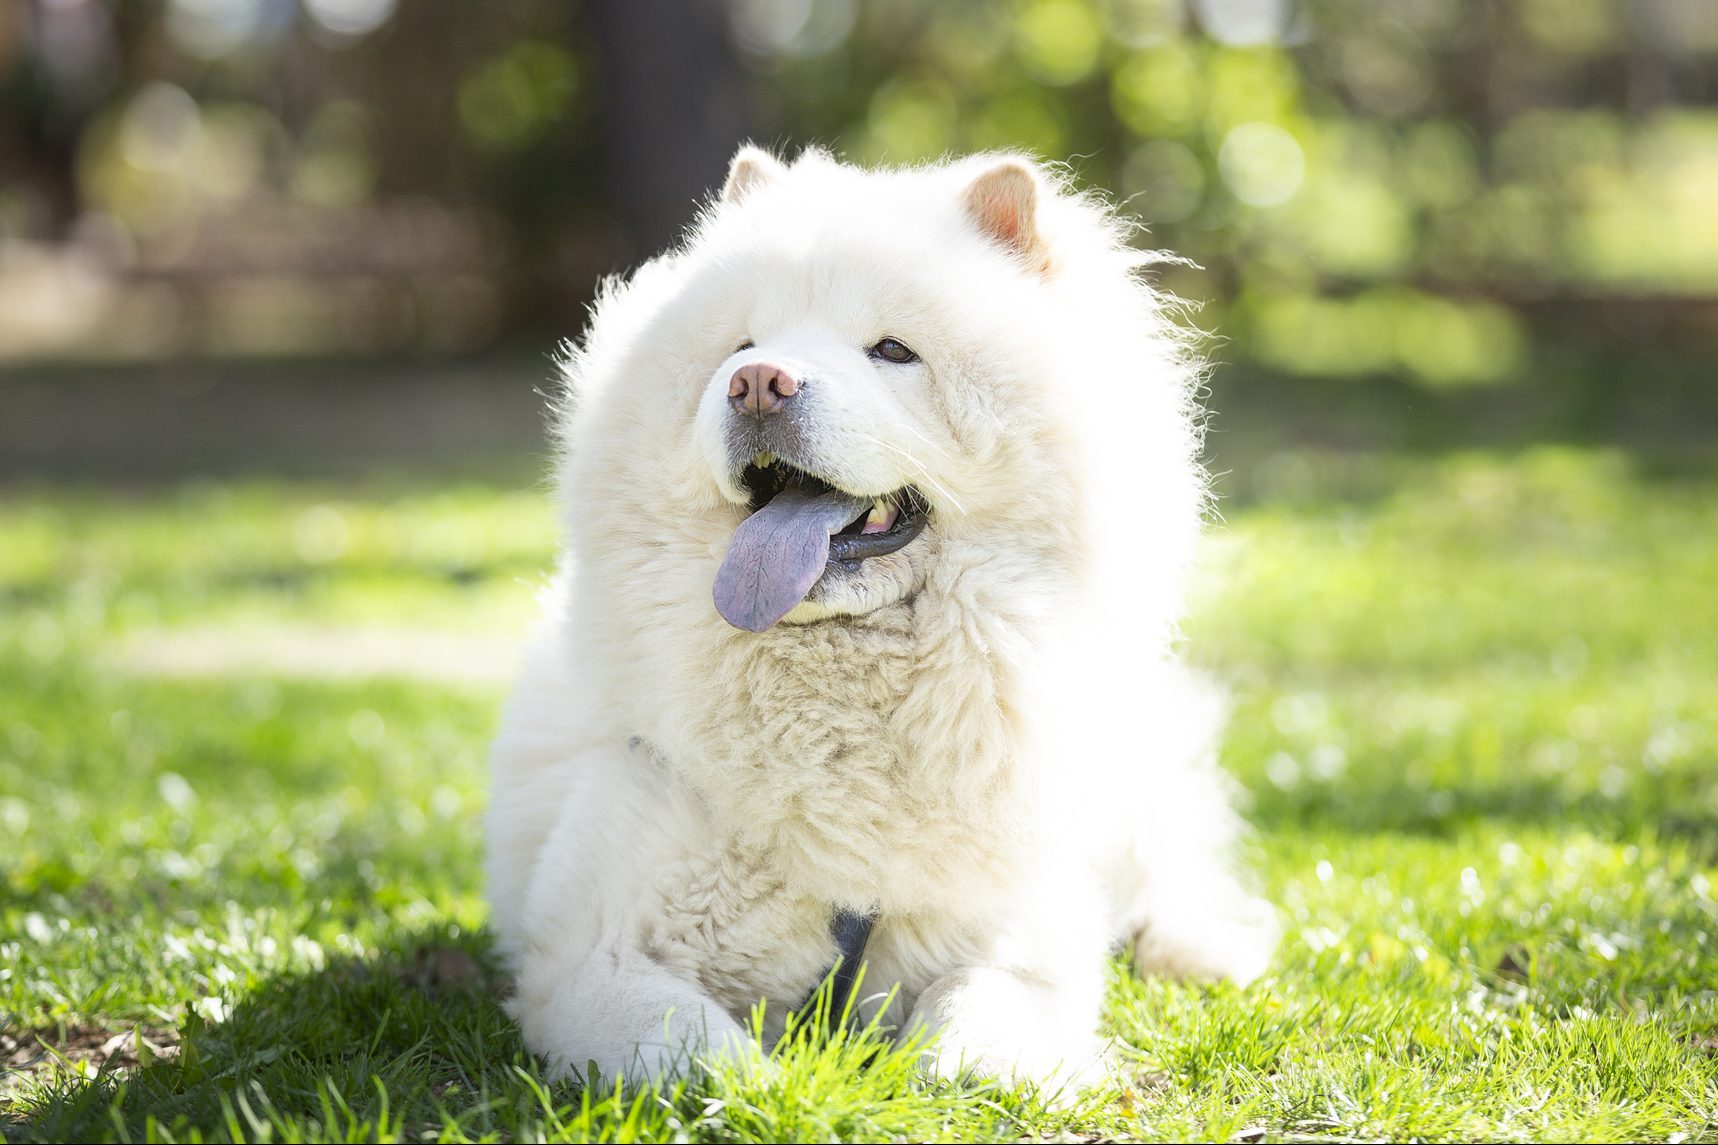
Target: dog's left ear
point(750, 168)
point(1003, 203)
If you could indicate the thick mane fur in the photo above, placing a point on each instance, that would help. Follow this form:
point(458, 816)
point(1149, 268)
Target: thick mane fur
point(939, 756)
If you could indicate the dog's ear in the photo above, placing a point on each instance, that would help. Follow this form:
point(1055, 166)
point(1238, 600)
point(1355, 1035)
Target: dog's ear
point(750, 168)
point(1003, 203)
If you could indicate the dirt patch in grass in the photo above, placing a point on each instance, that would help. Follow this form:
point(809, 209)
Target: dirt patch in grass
point(75, 1050)
point(95, 1048)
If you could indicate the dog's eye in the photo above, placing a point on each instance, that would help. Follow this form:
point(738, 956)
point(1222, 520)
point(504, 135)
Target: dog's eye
point(893, 350)
point(748, 344)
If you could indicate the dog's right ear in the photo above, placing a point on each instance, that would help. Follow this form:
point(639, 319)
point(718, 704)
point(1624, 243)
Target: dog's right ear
point(750, 168)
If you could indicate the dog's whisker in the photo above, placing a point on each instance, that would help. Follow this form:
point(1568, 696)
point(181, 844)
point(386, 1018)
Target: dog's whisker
point(920, 434)
point(919, 469)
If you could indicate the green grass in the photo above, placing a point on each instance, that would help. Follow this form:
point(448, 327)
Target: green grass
point(1476, 721)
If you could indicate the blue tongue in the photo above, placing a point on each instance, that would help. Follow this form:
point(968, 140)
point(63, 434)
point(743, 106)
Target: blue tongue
point(777, 555)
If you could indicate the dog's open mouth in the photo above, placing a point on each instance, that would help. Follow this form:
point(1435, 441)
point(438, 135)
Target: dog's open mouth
point(800, 525)
point(879, 525)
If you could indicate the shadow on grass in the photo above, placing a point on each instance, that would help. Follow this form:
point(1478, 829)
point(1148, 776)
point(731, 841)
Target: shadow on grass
point(1667, 428)
point(406, 1042)
point(165, 422)
point(1675, 804)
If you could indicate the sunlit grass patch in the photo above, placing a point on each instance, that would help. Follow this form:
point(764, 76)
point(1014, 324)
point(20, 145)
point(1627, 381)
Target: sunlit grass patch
point(1472, 720)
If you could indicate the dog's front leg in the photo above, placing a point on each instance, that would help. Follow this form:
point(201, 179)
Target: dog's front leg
point(589, 992)
point(627, 1015)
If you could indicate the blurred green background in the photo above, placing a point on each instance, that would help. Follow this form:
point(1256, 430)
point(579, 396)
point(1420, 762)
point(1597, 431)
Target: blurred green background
point(279, 285)
point(1414, 221)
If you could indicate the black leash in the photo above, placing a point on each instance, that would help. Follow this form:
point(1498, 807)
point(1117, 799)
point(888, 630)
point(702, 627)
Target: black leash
point(851, 932)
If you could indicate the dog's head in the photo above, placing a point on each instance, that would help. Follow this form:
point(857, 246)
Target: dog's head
point(847, 380)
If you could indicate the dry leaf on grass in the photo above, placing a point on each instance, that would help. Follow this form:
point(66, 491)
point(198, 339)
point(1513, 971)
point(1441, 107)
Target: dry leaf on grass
point(1514, 964)
point(439, 968)
point(125, 1049)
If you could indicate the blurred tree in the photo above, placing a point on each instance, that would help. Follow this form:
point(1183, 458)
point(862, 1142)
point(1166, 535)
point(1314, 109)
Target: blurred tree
point(1446, 192)
point(676, 103)
point(57, 64)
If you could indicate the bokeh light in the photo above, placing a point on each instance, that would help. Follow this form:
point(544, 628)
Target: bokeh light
point(1262, 164)
point(1457, 188)
point(350, 19)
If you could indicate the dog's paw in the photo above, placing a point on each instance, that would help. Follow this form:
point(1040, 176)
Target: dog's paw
point(653, 1064)
point(990, 1023)
point(610, 1021)
point(1235, 942)
point(1059, 1083)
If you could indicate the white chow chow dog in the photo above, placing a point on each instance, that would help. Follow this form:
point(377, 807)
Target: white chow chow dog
point(878, 496)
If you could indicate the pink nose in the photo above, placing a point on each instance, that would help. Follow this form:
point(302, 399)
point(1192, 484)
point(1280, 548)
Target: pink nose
point(760, 388)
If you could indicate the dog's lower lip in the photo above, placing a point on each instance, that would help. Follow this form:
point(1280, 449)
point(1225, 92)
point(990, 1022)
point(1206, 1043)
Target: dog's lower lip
point(859, 546)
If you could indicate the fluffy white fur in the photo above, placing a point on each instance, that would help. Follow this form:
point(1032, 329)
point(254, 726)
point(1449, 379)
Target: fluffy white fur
point(983, 739)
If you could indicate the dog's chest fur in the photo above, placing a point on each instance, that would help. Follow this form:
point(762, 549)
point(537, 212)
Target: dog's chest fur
point(864, 765)
point(868, 762)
